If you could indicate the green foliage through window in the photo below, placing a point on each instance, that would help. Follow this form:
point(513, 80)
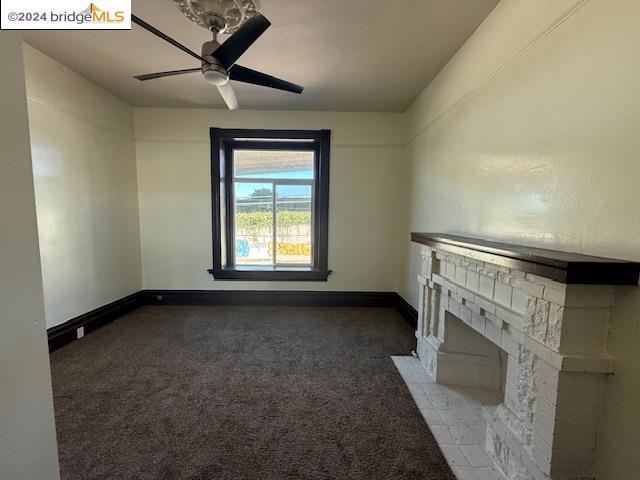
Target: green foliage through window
point(252, 222)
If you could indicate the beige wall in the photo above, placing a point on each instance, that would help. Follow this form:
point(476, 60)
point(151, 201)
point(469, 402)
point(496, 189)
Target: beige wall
point(27, 436)
point(530, 135)
point(86, 194)
point(365, 234)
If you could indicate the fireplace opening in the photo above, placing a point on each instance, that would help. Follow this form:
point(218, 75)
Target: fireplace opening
point(467, 358)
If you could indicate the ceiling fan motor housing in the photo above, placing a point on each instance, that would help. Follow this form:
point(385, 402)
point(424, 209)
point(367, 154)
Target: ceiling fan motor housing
point(213, 71)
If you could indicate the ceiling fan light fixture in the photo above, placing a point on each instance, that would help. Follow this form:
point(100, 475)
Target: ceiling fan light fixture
point(222, 16)
point(215, 74)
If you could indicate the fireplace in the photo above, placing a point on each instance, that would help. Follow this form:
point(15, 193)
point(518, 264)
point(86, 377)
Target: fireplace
point(531, 325)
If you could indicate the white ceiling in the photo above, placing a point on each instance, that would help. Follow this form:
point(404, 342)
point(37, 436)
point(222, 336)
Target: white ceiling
point(350, 55)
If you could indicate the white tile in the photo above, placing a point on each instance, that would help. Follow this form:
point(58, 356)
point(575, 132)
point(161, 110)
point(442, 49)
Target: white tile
point(432, 391)
point(503, 293)
point(444, 299)
point(466, 294)
point(449, 270)
point(431, 416)
point(493, 332)
point(512, 318)
point(465, 314)
point(454, 416)
point(466, 436)
point(554, 295)
point(448, 418)
point(465, 473)
point(509, 344)
point(441, 402)
point(473, 306)
point(519, 301)
point(461, 275)
point(411, 370)
point(415, 389)
point(532, 289)
point(442, 435)
point(476, 455)
point(478, 322)
point(486, 286)
point(454, 307)
point(485, 304)
point(473, 281)
point(467, 414)
point(454, 456)
point(489, 473)
point(547, 282)
point(421, 398)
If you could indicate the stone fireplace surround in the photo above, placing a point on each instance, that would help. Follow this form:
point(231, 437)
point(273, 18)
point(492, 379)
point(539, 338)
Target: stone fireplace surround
point(546, 315)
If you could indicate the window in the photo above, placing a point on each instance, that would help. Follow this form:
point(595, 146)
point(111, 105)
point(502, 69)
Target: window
point(270, 198)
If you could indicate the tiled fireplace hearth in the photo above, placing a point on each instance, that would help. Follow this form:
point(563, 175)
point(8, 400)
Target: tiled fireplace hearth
point(532, 325)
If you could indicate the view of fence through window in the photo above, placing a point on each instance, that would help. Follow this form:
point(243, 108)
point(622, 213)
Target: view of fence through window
point(273, 214)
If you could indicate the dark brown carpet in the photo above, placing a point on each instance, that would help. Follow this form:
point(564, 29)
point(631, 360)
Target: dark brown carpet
point(241, 393)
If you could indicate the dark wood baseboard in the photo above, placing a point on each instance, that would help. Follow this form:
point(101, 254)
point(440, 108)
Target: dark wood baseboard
point(290, 298)
point(409, 313)
point(65, 333)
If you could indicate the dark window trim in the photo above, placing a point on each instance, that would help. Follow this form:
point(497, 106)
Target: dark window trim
point(223, 140)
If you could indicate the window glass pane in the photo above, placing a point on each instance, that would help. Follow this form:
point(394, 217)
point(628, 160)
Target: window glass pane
point(293, 224)
point(285, 164)
point(253, 212)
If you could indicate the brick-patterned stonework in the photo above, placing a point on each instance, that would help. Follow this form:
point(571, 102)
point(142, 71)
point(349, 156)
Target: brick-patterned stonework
point(554, 336)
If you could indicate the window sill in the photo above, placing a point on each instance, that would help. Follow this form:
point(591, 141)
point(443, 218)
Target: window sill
point(270, 274)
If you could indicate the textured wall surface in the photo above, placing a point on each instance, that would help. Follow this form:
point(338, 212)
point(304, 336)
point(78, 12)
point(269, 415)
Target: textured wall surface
point(530, 135)
point(86, 189)
point(27, 433)
point(366, 201)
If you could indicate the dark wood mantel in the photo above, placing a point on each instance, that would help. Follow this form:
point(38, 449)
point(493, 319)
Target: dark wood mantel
point(562, 267)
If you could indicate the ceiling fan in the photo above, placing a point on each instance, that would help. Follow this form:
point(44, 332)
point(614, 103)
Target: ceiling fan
point(218, 61)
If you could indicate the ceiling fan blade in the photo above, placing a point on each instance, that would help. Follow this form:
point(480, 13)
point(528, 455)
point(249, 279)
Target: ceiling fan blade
point(228, 95)
point(246, 75)
point(166, 38)
point(151, 76)
point(239, 42)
